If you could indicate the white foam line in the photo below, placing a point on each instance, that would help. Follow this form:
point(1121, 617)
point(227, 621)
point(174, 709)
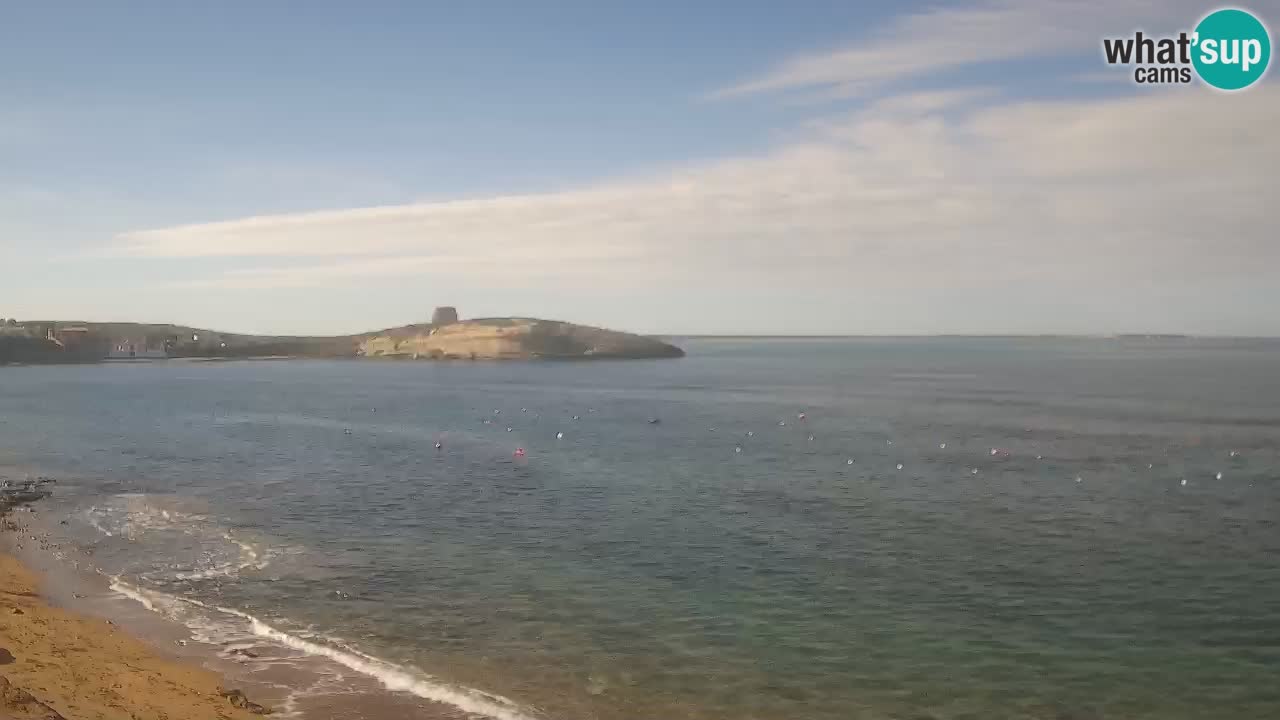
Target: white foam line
point(392, 677)
point(133, 594)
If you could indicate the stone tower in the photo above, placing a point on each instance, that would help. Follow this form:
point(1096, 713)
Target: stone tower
point(444, 315)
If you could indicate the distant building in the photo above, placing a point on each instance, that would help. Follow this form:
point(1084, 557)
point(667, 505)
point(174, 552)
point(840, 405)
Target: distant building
point(444, 315)
point(70, 335)
point(136, 348)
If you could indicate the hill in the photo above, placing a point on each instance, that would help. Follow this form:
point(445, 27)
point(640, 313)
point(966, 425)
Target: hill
point(54, 341)
point(512, 338)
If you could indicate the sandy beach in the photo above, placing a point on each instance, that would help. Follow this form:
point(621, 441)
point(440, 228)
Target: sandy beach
point(57, 664)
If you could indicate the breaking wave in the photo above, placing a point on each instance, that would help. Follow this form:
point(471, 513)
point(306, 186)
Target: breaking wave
point(392, 676)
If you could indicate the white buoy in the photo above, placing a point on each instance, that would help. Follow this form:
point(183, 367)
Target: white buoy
point(810, 438)
point(995, 451)
point(559, 435)
point(1234, 453)
point(575, 417)
point(737, 448)
point(942, 446)
point(1218, 476)
point(899, 466)
point(849, 461)
point(1077, 478)
point(751, 433)
point(1184, 482)
point(889, 442)
point(782, 423)
point(1039, 457)
point(1149, 466)
point(711, 429)
point(508, 429)
point(975, 471)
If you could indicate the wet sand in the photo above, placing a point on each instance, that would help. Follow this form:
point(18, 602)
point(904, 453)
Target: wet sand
point(88, 669)
point(82, 652)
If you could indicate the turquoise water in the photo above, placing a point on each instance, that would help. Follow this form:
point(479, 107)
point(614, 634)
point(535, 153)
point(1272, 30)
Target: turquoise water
point(732, 560)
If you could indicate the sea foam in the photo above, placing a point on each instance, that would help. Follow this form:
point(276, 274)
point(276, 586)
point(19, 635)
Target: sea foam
point(393, 677)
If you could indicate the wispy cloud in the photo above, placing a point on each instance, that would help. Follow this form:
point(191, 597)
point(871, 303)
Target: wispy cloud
point(929, 189)
point(943, 38)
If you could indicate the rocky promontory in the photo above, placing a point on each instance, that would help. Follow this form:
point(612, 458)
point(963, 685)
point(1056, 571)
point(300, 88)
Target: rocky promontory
point(512, 339)
point(445, 338)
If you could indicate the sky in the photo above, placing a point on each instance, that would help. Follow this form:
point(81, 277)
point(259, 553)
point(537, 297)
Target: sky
point(735, 167)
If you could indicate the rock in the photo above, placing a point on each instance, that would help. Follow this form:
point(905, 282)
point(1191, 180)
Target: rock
point(21, 705)
point(238, 699)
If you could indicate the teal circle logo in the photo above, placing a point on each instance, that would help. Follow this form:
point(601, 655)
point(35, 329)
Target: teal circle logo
point(1231, 49)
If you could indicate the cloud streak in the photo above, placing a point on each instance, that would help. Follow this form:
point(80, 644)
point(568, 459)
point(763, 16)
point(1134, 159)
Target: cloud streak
point(943, 38)
point(922, 188)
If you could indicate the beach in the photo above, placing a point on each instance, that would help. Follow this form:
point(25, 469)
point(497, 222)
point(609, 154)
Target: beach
point(59, 663)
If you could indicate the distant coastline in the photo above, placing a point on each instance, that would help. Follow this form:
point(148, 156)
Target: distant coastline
point(444, 338)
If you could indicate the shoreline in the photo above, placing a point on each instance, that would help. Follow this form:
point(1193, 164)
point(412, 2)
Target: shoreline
point(98, 647)
point(61, 663)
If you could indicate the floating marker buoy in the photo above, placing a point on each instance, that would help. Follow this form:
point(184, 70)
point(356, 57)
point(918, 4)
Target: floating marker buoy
point(1183, 483)
point(849, 461)
point(1077, 478)
point(810, 438)
point(751, 433)
point(800, 416)
point(524, 409)
point(559, 435)
point(1234, 453)
point(942, 446)
point(1218, 476)
point(1039, 457)
point(438, 445)
point(737, 448)
point(1149, 466)
point(782, 423)
point(711, 429)
point(519, 452)
point(889, 441)
point(975, 471)
point(508, 428)
point(496, 411)
point(575, 417)
point(346, 431)
point(899, 466)
point(995, 451)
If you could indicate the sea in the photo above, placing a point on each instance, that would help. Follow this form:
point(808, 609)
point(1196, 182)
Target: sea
point(826, 529)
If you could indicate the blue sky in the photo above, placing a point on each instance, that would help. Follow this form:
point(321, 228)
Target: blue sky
point(763, 167)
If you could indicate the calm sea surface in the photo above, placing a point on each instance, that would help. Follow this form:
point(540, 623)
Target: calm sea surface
point(955, 528)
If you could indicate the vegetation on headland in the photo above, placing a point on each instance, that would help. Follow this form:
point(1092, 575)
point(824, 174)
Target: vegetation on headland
point(446, 338)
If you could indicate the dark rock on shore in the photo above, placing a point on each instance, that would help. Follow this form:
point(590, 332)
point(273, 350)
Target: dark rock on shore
point(22, 705)
point(238, 699)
